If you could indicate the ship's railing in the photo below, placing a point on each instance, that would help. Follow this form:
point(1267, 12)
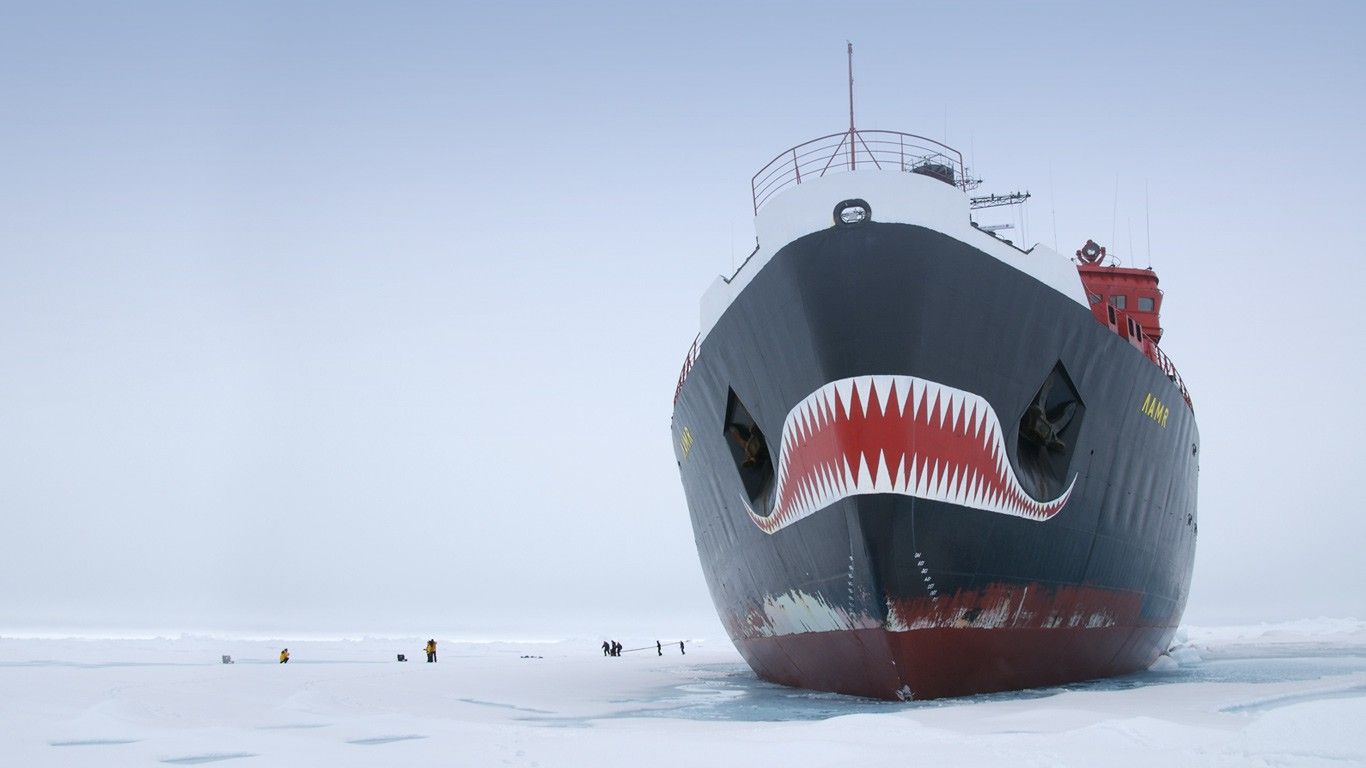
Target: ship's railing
point(838, 152)
point(1164, 362)
point(687, 367)
point(1129, 329)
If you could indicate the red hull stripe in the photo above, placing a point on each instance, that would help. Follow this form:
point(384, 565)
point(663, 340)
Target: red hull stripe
point(968, 644)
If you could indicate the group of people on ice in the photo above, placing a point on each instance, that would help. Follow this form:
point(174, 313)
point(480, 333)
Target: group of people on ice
point(613, 648)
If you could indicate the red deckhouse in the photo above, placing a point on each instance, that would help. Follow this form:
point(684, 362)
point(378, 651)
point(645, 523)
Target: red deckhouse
point(1130, 303)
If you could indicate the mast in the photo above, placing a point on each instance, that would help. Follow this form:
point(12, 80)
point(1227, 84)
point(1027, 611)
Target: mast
point(851, 104)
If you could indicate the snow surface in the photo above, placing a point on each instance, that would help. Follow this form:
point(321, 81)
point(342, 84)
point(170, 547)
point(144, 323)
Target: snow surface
point(1282, 694)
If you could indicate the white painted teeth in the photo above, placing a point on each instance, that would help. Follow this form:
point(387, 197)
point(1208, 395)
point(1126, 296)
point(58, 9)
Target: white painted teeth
point(988, 483)
point(844, 394)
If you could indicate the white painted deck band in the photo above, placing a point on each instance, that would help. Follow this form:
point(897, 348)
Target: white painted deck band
point(895, 196)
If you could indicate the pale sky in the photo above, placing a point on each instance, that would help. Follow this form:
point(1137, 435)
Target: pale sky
point(336, 318)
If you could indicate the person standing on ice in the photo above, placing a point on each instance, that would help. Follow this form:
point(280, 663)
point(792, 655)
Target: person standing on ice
point(431, 650)
point(681, 649)
point(659, 649)
point(284, 656)
point(605, 648)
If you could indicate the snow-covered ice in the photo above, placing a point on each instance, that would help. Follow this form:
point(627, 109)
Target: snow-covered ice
point(1281, 694)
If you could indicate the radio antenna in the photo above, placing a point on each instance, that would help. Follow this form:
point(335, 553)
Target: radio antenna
point(1114, 220)
point(1053, 203)
point(851, 104)
point(1148, 224)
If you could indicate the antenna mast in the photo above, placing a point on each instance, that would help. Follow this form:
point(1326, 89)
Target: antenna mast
point(851, 104)
point(1148, 224)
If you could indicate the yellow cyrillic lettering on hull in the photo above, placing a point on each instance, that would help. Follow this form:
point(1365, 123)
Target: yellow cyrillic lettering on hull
point(1155, 409)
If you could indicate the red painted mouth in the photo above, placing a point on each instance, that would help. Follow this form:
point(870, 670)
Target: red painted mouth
point(896, 434)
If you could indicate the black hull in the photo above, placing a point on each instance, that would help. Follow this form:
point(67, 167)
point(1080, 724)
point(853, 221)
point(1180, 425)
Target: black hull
point(890, 595)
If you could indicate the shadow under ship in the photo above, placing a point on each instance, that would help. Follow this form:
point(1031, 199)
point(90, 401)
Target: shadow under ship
point(921, 461)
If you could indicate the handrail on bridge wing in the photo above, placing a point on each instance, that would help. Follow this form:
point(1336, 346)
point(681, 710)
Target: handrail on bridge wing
point(688, 361)
point(844, 151)
point(1169, 368)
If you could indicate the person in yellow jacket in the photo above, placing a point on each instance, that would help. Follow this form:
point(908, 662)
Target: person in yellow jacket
point(431, 650)
point(284, 656)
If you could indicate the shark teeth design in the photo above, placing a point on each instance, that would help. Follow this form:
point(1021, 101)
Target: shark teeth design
point(896, 434)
